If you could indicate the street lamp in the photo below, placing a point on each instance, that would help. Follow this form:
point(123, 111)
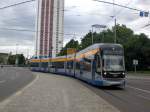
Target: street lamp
point(17, 48)
point(115, 29)
point(16, 61)
point(97, 26)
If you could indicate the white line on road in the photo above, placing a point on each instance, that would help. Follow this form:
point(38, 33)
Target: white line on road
point(146, 98)
point(146, 91)
point(139, 78)
point(9, 99)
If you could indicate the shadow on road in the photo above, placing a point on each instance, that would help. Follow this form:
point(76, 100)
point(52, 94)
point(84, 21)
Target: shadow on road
point(115, 88)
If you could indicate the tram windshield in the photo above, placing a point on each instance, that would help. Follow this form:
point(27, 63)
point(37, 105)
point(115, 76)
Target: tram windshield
point(113, 63)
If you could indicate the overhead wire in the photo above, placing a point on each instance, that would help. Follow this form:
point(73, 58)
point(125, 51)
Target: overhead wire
point(33, 31)
point(119, 12)
point(16, 4)
point(119, 5)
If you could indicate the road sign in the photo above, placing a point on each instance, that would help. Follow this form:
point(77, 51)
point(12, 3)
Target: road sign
point(141, 14)
point(135, 62)
point(144, 14)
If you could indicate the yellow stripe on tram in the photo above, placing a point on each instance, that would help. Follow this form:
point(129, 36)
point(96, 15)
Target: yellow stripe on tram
point(66, 59)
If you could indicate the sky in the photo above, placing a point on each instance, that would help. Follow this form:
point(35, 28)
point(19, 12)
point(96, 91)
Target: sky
point(80, 15)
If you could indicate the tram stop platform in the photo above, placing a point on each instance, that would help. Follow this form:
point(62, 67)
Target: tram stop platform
point(54, 93)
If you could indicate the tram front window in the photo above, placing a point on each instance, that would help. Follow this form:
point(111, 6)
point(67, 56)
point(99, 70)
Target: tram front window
point(113, 63)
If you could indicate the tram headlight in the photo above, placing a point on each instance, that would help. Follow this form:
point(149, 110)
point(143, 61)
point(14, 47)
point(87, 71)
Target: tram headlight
point(105, 73)
point(123, 73)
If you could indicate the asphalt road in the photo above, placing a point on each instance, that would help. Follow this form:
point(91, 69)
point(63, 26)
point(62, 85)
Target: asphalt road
point(12, 79)
point(135, 97)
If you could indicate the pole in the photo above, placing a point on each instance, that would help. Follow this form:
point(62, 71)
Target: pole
point(16, 61)
point(92, 36)
point(74, 63)
point(115, 33)
point(49, 59)
point(115, 21)
point(135, 68)
point(74, 38)
point(16, 49)
point(27, 53)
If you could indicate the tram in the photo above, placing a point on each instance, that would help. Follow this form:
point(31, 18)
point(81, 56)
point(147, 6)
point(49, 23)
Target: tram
point(100, 64)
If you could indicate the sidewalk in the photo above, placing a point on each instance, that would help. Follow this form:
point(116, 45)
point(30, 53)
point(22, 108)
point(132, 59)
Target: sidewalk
point(53, 93)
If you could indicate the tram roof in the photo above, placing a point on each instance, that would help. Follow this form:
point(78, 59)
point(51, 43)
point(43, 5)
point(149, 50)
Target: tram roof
point(92, 47)
point(101, 45)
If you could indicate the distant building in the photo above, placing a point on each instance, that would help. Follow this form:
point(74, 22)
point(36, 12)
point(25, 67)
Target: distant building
point(50, 27)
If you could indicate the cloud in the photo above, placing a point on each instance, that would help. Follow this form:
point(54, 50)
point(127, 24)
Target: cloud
point(79, 16)
point(104, 11)
point(20, 17)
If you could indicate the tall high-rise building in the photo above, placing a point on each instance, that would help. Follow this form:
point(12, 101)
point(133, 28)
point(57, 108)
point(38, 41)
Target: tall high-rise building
point(50, 27)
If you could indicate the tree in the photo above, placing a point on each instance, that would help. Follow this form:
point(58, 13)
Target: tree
point(71, 44)
point(21, 59)
point(87, 40)
point(135, 46)
point(12, 59)
point(1, 60)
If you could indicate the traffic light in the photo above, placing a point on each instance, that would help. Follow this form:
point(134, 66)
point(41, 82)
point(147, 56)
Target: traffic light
point(144, 14)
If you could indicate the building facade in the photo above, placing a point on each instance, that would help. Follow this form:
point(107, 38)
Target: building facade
point(50, 27)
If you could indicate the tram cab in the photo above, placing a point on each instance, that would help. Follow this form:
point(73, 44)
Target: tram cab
point(110, 64)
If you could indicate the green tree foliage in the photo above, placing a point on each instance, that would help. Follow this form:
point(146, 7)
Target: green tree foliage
point(12, 59)
point(3, 58)
point(71, 44)
point(21, 59)
point(135, 46)
point(87, 40)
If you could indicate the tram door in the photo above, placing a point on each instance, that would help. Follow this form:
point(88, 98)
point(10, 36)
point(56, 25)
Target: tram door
point(49, 67)
point(70, 67)
point(93, 64)
point(52, 67)
point(97, 66)
point(85, 68)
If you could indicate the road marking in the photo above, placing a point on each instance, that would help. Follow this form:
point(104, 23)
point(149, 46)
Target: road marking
point(27, 86)
point(3, 81)
point(146, 98)
point(65, 100)
point(9, 99)
point(139, 78)
point(143, 90)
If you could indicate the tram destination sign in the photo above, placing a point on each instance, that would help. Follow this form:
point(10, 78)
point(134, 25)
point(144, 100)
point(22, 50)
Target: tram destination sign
point(113, 52)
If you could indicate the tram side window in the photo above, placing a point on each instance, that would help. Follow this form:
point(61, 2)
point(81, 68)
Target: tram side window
point(34, 64)
point(53, 65)
point(59, 65)
point(87, 64)
point(98, 63)
point(70, 65)
point(44, 64)
point(78, 65)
